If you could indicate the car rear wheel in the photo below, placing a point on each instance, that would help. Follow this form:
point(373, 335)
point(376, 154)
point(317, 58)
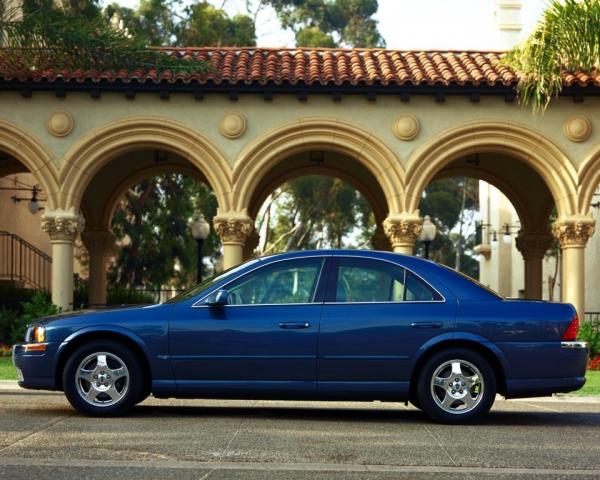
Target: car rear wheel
point(456, 386)
point(103, 378)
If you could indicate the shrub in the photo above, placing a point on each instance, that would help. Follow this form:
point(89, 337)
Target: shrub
point(590, 332)
point(39, 306)
point(9, 321)
point(129, 296)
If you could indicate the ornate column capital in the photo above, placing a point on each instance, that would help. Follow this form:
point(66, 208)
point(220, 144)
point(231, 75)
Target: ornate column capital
point(98, 241)
point(573, 231)
point(233, 228)
point(62, 225)
point(402, 229)
point(532, 244)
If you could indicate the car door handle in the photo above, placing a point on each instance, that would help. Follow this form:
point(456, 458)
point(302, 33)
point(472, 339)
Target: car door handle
point(294, 325)
point(426, 324)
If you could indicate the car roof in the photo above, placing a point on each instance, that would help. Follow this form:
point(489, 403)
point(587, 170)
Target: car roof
point(442, 278)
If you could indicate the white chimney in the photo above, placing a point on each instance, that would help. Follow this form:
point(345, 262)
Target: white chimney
point(508, 20)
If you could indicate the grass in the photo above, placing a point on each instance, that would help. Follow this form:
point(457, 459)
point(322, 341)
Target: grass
point(592, 386)
point(7, 371)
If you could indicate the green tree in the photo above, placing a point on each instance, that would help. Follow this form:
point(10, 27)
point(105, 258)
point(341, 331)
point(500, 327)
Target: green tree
point(315, 211)
point(451, 203)
point(168, 23)
point(566, 39)
point(155, 215)
point(207, 25)
point(327, 23)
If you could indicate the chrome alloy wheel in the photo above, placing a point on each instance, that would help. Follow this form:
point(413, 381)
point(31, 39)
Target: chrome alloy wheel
point(457, 386)
point(102, 379)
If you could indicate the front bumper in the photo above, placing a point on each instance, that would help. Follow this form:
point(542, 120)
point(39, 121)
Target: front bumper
point(36, 368)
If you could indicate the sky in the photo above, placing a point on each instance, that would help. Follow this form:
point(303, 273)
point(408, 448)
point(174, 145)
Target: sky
point(412, 25)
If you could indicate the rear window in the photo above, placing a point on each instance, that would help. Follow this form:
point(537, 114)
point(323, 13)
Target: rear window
point(473, 281)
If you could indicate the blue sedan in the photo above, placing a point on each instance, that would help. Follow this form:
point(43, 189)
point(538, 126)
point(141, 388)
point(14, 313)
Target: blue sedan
point(314, 325)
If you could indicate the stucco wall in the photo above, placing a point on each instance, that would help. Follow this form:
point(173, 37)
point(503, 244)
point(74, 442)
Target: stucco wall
point(376, 117)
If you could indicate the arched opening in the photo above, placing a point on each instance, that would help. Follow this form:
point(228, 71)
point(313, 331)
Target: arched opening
point(25, 249)
point(138, 211)
point(106, 161)
point(326, 143)
point(589, 206)
point(317, 199)
point(314, 212)
point(500, 230)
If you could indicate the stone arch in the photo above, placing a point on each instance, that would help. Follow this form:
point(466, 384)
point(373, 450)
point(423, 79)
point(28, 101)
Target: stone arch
point(516, 140)
point(260, 195)
point(317, 133)
point(589, 180)
point(100, 147)
point(104, 219)
point(506, 188)
point(22, 145)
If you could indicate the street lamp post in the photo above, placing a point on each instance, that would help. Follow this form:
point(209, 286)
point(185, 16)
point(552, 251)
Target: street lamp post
point(427, 233)
point(200, 230)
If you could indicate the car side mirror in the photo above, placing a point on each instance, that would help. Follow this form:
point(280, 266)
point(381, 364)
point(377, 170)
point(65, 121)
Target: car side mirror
point(218, 299)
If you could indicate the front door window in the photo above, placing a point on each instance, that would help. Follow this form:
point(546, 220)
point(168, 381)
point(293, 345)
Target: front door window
point(285, 282)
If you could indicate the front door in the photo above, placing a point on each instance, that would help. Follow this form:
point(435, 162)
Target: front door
point(265, 338)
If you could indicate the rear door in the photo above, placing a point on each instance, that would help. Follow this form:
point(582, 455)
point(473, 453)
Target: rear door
point(376, 316)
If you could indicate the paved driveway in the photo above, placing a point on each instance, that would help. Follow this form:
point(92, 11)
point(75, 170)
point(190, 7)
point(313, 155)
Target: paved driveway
point(41, 437)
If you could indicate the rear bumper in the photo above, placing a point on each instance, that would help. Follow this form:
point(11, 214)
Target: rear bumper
point(570, 361)
point(542, 387)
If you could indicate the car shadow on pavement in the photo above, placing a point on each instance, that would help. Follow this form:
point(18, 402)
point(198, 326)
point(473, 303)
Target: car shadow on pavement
point(365, 415)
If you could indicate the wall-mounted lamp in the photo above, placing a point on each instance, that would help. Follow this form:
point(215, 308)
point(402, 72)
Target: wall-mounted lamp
point(34, 202)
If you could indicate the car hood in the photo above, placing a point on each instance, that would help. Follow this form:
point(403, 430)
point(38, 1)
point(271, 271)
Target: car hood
point(87, 313)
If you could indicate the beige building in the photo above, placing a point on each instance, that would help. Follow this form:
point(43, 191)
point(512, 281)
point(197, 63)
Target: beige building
point(389, 122)
point(502, 265)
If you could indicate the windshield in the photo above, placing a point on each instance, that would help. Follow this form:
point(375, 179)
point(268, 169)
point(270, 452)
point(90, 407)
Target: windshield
point(209, 282)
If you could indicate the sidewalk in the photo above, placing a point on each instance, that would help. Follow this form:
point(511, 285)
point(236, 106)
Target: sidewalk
point(12, 386)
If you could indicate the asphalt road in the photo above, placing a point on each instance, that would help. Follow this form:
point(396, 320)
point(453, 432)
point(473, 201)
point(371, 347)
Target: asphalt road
point(41, 437)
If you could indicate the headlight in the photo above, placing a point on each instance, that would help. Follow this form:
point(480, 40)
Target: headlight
point(39, 334)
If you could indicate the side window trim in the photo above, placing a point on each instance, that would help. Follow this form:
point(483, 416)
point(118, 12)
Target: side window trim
point(330, 298)
point(200, 303)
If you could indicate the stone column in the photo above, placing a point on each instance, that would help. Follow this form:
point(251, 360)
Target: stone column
point(99, 244)
point(403, 231)
point(62, 226)
point(233, 228)
point(533, 247)
point(573, 233)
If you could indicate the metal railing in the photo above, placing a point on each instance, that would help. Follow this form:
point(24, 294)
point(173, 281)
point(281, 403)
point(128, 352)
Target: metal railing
point(592, 317)
point(23, 263)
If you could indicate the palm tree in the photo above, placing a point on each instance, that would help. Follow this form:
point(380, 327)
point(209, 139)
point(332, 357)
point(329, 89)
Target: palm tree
point(566, 39)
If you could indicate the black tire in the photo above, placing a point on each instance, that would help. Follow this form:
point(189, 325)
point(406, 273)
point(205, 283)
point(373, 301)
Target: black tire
point(145, 393)
point(117, 394)
point(457, 398)
point(414, 401)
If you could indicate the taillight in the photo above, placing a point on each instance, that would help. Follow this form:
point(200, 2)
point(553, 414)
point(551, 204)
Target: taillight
point(572, 330)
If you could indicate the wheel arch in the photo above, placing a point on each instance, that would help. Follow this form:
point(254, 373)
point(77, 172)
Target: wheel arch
point(478, 344)
point(119, 335)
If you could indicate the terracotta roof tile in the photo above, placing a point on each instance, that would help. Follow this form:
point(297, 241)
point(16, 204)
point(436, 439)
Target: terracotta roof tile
point(314, 67)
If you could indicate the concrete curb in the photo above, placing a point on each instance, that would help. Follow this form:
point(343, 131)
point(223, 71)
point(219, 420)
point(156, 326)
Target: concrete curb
point(13, 386)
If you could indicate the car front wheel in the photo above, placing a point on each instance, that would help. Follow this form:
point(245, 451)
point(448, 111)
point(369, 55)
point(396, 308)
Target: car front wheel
point(456, 386)
point(102, 378)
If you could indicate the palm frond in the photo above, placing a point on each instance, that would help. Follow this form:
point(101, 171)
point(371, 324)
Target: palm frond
point(567, 39)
